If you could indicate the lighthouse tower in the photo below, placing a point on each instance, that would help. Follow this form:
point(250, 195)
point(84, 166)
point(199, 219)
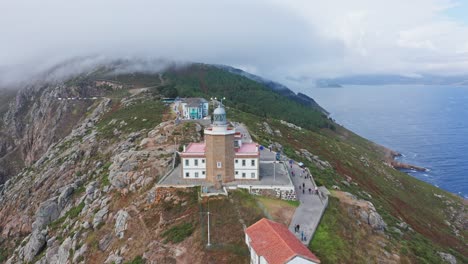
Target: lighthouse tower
point(220, 153)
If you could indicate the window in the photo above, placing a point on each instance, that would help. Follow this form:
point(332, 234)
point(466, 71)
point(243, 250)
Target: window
point(196, 162)
point(196, 174)
point(243, 175)
point(243, 162)
point(203, 172)
point(237, 172)
point(252, 175)
point(186, 162)
point(237, 161)
point(203, 161)
point(253, 162)
point(187, 174)
point(218, 164)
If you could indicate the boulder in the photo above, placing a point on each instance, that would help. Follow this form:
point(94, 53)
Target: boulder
point(36, 244)
point(376, 221)
point(90, 188)
point(80, 253)
point(64, 196)
point(121, 223)
point(99, 216)
point(448, 258)
point(48, 211)
point(51, 255)
point(105, 242)
point(64, 251)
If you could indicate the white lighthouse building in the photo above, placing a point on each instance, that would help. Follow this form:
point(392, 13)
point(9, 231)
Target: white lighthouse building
point(223, 156)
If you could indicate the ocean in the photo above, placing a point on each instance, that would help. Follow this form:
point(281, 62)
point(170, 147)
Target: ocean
point(428, 125)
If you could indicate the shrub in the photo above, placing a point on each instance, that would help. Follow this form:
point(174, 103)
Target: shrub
point(178, 233)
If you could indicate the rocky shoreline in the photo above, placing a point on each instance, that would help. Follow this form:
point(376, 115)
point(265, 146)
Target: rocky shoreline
point(390, 156)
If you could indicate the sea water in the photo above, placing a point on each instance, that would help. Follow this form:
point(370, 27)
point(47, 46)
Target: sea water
point(428, 125)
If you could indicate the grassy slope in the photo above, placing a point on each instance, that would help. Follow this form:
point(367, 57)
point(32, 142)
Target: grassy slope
point(397, 196)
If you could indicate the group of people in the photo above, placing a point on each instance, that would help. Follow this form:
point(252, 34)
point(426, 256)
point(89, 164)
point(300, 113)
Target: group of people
point(303, 188)
point(297, 229)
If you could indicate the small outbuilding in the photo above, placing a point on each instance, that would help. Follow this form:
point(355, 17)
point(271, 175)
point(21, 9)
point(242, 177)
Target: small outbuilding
point(272, 243)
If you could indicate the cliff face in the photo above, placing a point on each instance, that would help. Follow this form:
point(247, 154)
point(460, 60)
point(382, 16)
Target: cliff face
point(35, 120)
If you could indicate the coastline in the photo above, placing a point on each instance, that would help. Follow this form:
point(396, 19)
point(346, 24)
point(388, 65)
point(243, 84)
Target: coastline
point(389, 158)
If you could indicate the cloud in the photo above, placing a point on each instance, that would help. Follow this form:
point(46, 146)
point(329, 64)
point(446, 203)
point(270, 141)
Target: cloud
point(287, 41)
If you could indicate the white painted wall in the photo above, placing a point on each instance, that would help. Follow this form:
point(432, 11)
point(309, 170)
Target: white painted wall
point(194, 163)
point(192, 173)
point(300, 260)
point(192, 168)
point(248, 169)
point(239, 174)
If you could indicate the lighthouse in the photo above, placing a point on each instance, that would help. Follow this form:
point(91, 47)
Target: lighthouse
point(219, 151)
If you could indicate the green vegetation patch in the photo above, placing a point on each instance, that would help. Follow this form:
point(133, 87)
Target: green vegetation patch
point(178, 233)
point(327, 244)
point(72, 213)
point(137, 260)
point(144, 114)
point(3, 255)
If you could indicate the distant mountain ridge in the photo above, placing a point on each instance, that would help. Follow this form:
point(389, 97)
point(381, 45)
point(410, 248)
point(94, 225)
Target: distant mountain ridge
point(384, 79)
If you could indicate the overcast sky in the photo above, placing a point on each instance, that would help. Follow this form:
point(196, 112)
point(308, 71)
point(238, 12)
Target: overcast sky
point(287, 41)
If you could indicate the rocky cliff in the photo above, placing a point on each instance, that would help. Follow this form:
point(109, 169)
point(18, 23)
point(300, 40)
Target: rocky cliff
point(35, 120)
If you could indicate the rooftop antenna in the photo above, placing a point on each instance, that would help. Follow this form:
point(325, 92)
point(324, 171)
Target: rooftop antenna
point(215, 99)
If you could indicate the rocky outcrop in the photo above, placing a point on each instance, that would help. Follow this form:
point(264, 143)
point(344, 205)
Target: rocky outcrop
point(363, 210)
point(121, 223)
point(447, 258)
point(99, 217)
point(315, 159)
point(35, 244)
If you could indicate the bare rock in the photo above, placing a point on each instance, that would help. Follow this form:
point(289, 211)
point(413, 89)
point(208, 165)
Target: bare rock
point(114, 258)
point(105, 242)
point(35, 245)
point(64, 251)
point(268, 128)
point(80, 253)
point(99, 216)
point(121, 223)
point(448, 258)
point(376, 221)
point(48, 211)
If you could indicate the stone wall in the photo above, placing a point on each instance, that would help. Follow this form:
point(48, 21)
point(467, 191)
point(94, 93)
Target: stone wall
point(276, 192)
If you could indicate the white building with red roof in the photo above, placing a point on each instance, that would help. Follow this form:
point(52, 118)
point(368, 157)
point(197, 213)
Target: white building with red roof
point(272, 243)
point(223, 156)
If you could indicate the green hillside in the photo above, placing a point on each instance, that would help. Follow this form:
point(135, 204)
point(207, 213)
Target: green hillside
point(398, 197)
point(243, 94)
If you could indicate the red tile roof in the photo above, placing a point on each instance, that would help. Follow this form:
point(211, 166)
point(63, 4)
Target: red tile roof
point(194, 149)
point(276, 243)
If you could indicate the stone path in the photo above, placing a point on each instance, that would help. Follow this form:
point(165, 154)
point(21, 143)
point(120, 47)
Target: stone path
point(311, 207)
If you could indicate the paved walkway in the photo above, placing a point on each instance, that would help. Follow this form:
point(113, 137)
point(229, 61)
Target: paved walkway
point(311, 208)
